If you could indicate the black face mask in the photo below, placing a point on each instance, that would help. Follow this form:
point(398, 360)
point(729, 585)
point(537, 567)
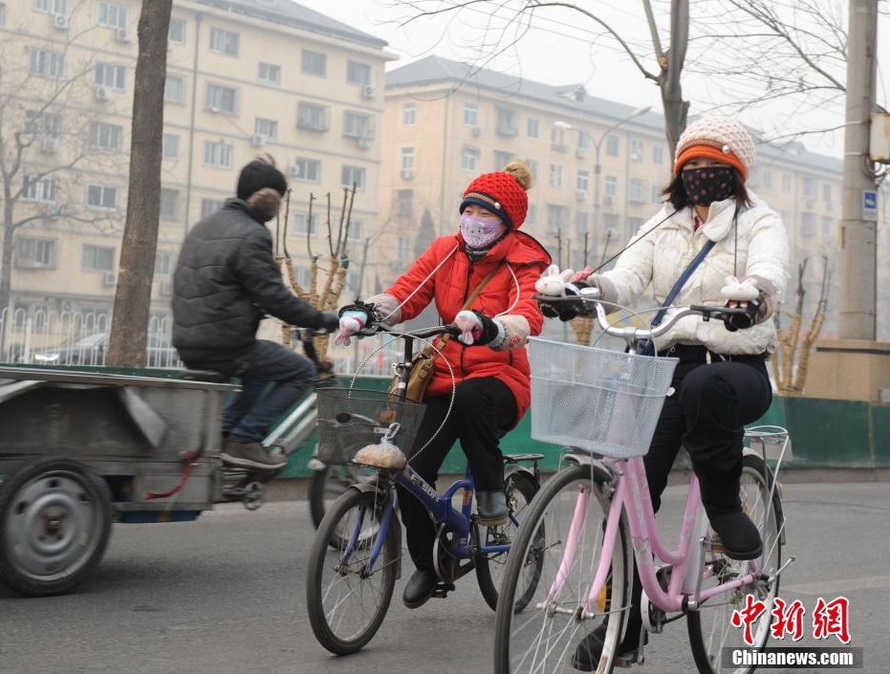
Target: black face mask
point(708, 184)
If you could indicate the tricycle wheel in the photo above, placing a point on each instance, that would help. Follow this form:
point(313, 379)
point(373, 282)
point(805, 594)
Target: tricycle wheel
point(55, 521)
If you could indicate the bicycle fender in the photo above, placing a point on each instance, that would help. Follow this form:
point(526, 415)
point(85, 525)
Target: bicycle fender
point(395, 523)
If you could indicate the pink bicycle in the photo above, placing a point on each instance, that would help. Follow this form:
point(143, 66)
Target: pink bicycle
point(594, 516)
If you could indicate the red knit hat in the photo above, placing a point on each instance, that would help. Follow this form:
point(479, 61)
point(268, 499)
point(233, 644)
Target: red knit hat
point(502, 192)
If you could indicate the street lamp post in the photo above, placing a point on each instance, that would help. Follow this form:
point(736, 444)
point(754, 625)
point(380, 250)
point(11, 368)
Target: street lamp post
point(597, 167)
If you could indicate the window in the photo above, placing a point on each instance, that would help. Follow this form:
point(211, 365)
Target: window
point(610, 224)
point(176, 32)
point(827, 226)
point(2, 13)
point(174, 88)
point(35, 253)
point(471, 114)
point(308, 170)
point(532, 216)
point(611, 189)
point(403, 250)
point(170, 147)
point(210, 206)
point(111, 76)
point(46, 63)
point(658, 154)
point(809, 189)
point(102, 196)
point(633, 226)
point(404, 203)
point(636, 191)
point(355, 230)
point(409, 114)
point(97, 258)
point(581, 219)
point(766, 178)
point(469, 158)
point(558, 138)
point(43, 124)
point(502, 158)
point(786, 183)
point(532, 128)
point(657, 196)
point(269, 73)
point(39, 189)
point(582, 180)
point(636, 150)
point(221, 99)
point(353, 175)
point(506, 121)
point(613, 146)
point(51, 6)
point(827, 195)
point(169, 203)
point(314, 63)
point(113, 15)
point(556, 218)
point(267, 128)
point(807, 224)
point(312, 116)
point(358, 73)
point(218, 154)
point(356, 125)
point(532, 166)
point(106, 136)
point(585, 141)
point(556, 175)
point(163, 263)
point(301, 271)
point(407, 159)
point(300, 224)
point(224, 42)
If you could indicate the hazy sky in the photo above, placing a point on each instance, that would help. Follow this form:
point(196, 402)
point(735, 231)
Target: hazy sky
point(567, 48)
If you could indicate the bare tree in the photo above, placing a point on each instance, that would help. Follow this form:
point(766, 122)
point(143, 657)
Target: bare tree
point(45, 140)
point(129, 324)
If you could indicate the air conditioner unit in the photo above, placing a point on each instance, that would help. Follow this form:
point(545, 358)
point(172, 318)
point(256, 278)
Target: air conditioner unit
point(121, 35)
point(368, 91)
point(363, 142)
point(293, 171)
point(49, 145)
point(60, 22)
point(102, 94)
point(581, 152)
point(257, 140)
point(110, 278)
point(214, 109)
point(407, 174)
point(476, 131)
point(580, 195)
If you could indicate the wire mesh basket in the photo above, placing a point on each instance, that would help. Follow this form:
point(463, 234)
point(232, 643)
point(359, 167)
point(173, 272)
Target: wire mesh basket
point(349, 419)
point(606, 402)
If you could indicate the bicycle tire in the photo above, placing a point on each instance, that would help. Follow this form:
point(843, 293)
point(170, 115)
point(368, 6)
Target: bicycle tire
point(347, 602)
point(537, 635)
point(327, 485)
point(521, 489)
point(710, 629)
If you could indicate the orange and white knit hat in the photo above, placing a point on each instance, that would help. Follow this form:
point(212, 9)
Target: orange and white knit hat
point(723, 139)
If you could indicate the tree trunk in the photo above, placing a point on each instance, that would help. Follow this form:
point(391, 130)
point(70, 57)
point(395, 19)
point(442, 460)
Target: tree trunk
point(675, 108)
point(129, 325)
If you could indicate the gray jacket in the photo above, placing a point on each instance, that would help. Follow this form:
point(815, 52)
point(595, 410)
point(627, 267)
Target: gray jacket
point(226, 280)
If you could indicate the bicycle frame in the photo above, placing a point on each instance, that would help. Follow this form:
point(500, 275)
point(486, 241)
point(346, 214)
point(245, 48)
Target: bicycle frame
point(631, 495)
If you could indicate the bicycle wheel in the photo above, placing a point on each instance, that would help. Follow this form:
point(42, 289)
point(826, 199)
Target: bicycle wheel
point(710, 628)
point(563, 531)
point(347, 600)
point(520, 488)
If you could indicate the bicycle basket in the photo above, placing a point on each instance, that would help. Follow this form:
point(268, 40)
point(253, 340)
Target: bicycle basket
point(606, 402)
point(349, 419)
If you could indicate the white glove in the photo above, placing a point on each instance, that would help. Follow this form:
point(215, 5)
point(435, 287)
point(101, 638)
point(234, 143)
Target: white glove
point(350, 323)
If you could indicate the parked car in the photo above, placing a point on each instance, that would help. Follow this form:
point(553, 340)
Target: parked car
point(91, 350)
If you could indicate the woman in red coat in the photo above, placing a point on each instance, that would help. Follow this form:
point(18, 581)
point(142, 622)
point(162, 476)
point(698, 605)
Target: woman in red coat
point(489, 361)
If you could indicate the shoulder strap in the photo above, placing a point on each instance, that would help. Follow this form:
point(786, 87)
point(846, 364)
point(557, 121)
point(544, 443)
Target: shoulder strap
point(659, 317)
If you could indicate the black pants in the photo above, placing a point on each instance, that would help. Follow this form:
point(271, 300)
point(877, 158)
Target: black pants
point(484, 410)
point(706, 414)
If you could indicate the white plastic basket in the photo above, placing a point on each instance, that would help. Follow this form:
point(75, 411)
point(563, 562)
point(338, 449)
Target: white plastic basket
point(606, 402)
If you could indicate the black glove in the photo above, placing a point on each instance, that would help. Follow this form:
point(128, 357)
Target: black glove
point(330, 321)
point(741, 321)
point(571, 309)
point(476, 328)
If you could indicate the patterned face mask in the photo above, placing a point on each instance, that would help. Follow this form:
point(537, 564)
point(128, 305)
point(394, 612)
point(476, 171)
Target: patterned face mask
point(479, 233)
point(708, 184)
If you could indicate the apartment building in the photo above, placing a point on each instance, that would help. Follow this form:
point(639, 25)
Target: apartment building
point(245, 78)
point(599, 166)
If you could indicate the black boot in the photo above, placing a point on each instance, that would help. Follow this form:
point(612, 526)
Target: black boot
point(720, 497)
point(589, 650)
point(420, 588)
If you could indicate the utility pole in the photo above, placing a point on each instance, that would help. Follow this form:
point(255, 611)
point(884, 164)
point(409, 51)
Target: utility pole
point(858, 235)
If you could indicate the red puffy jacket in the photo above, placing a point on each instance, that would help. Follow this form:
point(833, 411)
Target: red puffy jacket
point(505, 293)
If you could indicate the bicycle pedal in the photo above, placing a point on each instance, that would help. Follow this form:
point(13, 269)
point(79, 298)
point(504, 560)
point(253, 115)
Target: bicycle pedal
point(442, 590)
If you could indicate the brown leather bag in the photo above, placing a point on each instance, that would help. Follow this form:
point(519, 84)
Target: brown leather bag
point(422, 364)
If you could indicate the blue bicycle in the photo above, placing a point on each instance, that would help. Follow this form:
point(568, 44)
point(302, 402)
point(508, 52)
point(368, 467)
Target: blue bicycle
point(357, 551)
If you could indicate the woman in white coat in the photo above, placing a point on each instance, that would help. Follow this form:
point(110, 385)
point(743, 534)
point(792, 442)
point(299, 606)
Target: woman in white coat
point(721, 382)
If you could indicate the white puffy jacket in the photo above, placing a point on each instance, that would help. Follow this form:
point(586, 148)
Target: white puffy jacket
point(760, 250)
